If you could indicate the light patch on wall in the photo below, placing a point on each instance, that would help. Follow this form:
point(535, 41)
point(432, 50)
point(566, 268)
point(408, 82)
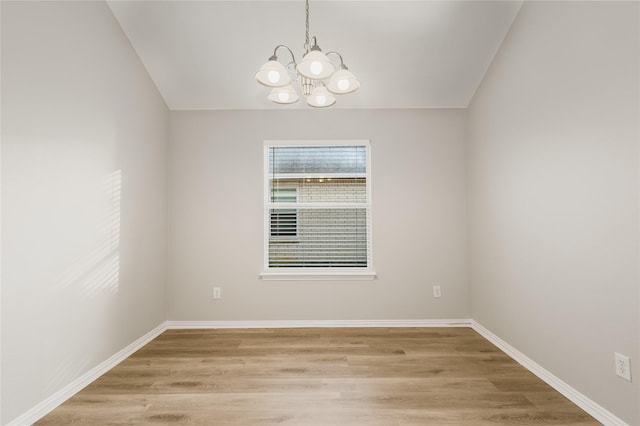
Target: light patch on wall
point(99, 270)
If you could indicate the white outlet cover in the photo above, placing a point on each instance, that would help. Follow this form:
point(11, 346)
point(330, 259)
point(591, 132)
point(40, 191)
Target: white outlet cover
point(623, 366)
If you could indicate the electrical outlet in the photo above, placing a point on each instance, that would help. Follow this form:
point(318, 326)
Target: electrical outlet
point(216, 293)
point(436, 291)
point(623, 366)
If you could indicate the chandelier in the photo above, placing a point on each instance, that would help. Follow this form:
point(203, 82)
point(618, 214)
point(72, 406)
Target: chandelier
point(316, 75)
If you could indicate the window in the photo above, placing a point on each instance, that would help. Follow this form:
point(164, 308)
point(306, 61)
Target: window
point(317, 210)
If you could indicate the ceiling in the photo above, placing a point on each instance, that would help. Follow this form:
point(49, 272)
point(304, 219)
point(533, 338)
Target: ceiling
point(406, 54)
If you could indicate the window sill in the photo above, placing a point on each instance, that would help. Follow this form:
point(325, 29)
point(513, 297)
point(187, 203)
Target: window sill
point(318, 276)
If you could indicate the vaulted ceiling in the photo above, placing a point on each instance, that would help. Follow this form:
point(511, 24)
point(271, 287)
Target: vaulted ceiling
point(406, 54)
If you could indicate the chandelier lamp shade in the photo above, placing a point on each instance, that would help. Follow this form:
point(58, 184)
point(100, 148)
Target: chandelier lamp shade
point(320, 97)
point(283, 95)
point(317, 77)
point(273, 74)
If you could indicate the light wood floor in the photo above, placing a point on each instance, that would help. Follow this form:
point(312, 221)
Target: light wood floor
point(324, 377)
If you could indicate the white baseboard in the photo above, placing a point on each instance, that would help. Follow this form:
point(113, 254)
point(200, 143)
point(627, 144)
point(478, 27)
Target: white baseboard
point(319, 323)
point(598, 412)
point(46, 406)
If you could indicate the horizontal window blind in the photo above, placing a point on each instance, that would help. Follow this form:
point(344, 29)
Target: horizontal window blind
point(317, 207)
point(284, 222)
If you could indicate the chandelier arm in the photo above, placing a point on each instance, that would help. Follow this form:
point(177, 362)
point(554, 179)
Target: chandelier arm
point(342, 65)
point(286, 47)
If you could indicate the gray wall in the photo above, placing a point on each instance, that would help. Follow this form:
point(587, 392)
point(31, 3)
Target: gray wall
point(84, 144)
point(553, 180)
point(216, 216)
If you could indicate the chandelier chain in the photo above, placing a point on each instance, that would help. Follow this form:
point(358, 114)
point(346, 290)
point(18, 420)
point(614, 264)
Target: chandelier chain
point(306, 40)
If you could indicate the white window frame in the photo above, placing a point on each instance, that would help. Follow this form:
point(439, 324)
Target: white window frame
point(301, 274)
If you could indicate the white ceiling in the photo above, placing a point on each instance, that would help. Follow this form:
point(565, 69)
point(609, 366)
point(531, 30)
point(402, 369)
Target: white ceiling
point(406, 54)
